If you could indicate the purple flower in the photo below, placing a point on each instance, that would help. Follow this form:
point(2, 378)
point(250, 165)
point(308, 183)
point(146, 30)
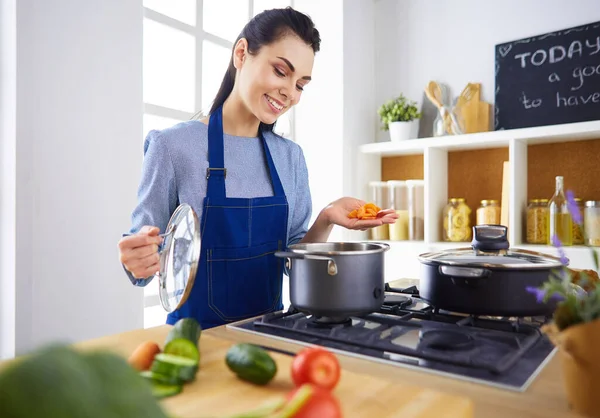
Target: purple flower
point(540, 294)
point(573, 208)
point(561, 252)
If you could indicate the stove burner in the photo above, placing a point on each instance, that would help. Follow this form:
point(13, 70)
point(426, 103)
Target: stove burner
point(397, 300)
point(329, 321)
point(446, 340)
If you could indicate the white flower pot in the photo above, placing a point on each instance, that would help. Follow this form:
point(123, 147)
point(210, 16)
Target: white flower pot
point(400, 131)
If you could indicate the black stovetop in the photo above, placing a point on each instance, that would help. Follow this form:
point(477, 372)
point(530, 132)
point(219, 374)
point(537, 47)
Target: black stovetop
point(407, 332)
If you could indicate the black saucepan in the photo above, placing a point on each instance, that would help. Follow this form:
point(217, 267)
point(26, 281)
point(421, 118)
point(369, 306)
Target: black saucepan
point(487, 279)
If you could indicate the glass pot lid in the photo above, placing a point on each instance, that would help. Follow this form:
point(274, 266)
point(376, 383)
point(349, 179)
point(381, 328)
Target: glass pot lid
point(490, 248)
point(179, 257)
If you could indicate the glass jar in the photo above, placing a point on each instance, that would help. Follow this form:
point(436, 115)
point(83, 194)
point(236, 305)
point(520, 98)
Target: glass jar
point(399, 202)
point(488, 213)
point(457, 224)
point(416, 209)
point(578, 229)
point(591, 223)
point(537, 221)
point(380, 195)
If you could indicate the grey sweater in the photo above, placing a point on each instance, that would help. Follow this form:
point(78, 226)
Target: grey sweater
point(174, 170)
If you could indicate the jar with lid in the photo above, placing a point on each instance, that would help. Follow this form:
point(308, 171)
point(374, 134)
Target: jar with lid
point(416, 209)
point(457, 224)
point(591, 222)
point(380, 195)
point(399, 202)
point(488, 213)
point(578, 229)
point(537, 221)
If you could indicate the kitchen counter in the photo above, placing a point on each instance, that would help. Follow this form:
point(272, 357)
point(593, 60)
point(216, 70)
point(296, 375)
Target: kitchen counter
point(545, 397)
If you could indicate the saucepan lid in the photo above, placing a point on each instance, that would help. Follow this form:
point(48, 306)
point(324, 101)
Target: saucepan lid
point(490, 248)
point(179, 257)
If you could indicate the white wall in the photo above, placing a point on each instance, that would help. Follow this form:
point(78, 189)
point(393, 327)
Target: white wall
point(453, 41)
point(360, 112)
point(8, 75)
point(318, 119)
point(78, 158)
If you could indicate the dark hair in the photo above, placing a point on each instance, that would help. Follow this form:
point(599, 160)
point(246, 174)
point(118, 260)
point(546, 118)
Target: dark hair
point(265, 28)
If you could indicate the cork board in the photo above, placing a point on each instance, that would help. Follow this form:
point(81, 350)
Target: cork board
point(577, 161)
point(405, 167)
point(476, 175)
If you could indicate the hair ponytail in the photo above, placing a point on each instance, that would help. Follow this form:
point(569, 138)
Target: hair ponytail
point(264, 29)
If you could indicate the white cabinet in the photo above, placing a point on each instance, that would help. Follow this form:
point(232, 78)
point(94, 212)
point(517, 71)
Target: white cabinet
point(435, 160)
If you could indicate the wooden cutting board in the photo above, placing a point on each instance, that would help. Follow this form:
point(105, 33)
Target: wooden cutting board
point(475, 113)
point(217, 392)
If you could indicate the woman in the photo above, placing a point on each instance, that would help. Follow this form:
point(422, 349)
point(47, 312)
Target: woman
point(261, 202)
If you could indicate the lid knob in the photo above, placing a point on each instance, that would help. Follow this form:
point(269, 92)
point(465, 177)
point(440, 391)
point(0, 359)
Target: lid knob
point(490, 238)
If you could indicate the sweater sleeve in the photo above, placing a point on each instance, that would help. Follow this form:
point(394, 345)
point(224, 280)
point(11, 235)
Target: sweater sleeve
point(303, 203)
point(157, 192)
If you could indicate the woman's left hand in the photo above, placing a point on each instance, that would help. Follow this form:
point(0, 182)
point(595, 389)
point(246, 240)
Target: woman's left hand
point(337, 213)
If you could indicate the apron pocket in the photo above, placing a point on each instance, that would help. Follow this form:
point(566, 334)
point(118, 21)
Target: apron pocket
point(244, 282)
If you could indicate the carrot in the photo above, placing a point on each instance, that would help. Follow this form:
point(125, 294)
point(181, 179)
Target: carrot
point(143, 356)
point(367, 211)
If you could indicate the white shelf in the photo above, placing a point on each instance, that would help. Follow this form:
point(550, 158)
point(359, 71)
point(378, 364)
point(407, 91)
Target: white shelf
point(435, 174)
point(494, 139)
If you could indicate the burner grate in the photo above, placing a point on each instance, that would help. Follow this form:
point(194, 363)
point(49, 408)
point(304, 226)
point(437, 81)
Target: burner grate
point(508, 345)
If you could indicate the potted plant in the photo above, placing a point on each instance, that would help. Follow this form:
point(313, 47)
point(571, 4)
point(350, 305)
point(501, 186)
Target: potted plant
point(575, 326)
point(400, 116)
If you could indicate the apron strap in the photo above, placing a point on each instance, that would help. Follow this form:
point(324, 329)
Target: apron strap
point(216, 171)
point(275, 181)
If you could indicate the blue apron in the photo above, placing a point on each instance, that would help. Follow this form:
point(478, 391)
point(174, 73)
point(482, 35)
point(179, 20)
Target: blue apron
point(238, 275)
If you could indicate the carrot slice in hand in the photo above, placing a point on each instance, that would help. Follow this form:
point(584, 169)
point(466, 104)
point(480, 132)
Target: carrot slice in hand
point(367, 211)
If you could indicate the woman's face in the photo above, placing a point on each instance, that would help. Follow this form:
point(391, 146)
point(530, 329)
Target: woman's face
point(271, 81)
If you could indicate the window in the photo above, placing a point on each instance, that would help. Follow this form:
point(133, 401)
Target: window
point(187, 47)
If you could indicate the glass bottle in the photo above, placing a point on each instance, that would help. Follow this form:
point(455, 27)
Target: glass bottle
point(559, 218)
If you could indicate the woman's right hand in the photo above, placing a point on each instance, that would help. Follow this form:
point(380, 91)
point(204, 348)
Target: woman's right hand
point(139, 252)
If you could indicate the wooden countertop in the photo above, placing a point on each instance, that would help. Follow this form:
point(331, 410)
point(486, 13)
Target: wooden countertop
point(217, 392)
point(545, 397)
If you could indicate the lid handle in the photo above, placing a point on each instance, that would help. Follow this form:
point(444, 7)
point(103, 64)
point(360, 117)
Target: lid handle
point(490, 238)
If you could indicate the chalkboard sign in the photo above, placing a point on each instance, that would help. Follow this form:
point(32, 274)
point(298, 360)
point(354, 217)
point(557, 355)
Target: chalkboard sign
point(548, 79)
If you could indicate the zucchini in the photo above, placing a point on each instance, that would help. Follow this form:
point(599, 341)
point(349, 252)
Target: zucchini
point(187, 328)
point(163, 390)
point(172, 366)
point(156, 377)
point(251, 363)
point(184, 348)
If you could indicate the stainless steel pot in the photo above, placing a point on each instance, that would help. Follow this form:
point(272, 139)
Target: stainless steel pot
point(335, 280)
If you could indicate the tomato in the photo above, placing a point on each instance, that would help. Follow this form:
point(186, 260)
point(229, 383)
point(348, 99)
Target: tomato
point(321, 404)
point(317, 366)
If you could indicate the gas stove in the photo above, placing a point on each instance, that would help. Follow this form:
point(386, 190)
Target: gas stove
point(407, 332)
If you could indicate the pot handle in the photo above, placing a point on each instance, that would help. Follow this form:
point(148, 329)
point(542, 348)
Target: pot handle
point(331, 266)
point(465, 272)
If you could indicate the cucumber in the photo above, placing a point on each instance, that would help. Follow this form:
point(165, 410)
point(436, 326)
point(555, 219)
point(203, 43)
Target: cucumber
point(251, 363)
point(172, 366)
point(187, 328)
point(163, 390)
point(159, 378)
point(184, 348)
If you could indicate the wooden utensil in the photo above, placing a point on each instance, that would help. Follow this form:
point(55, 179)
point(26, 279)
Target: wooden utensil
point(435, 94)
